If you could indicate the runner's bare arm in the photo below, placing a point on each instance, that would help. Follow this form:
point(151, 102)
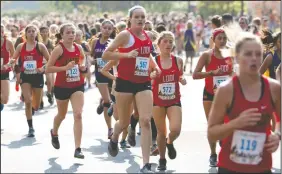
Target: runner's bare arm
point(10, 47)
point(217, 130)
point(105, 70)
point(44, 51)
point(110, 52)
point(153, 64)
point(92, 49)
point(278, 73)
point(182, 80)
point(56, 53)
point(275, 88)
point(180, 65)
point(16, 55)
point(266, 63)
point(88, 49)
point(198, 74)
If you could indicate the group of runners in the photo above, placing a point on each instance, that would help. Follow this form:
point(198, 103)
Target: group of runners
point(139, 78)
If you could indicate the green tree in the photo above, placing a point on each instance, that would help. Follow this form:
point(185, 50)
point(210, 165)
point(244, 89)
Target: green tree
point(61, 6)
point(210, 8)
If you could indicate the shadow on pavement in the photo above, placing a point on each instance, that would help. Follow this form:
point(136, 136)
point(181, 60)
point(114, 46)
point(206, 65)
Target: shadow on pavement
point(50, 106)
point(123, 155)
point(57, 168)
point(17, 106)
point(275, 170)
point(39, 112)
point(26, 141)
point(213, 170)
point(154, 167)
point(98, 150)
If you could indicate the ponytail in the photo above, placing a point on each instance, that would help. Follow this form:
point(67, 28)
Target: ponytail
point(59, 38)
point(128, 24)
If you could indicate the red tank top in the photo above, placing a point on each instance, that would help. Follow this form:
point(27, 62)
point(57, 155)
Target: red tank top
point(5, 56)
point(243, 151)
point(71, 78)
point(136, 69)
point(225, 64)
point(30, 60)
point(166, 87)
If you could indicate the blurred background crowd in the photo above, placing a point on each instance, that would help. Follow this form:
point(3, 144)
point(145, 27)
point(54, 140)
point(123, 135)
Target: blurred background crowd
point(175, 16)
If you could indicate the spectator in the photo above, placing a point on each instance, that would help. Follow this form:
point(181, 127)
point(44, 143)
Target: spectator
point(216, 21)
point(160, 28)
point(243, 22)
point(227, 19)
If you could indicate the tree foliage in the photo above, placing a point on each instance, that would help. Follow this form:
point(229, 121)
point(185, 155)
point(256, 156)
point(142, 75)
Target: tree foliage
point(210, 8)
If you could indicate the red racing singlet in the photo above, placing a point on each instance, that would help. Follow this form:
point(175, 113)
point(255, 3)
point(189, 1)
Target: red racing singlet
point(243, 151)
point(71, 78)
point(225, 64)
point(5, 57)
point(136, 70)
point(30, 60)
point(166, 87)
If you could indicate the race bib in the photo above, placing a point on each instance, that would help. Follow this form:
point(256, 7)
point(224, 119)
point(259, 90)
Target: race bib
point(166, 91)
point(30, 67)
point(217, 80)
point(247, 147)
point(141, 66)
point(73, 75)
point(101, 63)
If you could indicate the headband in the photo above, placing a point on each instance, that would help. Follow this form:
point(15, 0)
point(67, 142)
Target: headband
point(217, 32)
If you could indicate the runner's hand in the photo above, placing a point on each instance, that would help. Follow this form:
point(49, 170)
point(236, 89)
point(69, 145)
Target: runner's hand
point(249, 117)
point(82, 68)
point(217, 72)
point(153, 74)
point(132, 54)
point(70, 65)
point(272, 143)
point(183, 81)
point(40, 70)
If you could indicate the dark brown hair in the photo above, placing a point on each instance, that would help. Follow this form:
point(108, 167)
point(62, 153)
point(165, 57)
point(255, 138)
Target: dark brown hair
point(216, 20)
point(61, 31)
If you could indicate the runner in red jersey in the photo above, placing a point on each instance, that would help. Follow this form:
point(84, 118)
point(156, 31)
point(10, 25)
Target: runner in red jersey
point(133, 80)
point(166, 94)
point(7, 50)
point(241, 112)
point(68, 61)
point(30, 59)
point(218, 69)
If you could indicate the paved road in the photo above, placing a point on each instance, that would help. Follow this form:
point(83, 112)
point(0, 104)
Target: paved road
point(36, 155)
